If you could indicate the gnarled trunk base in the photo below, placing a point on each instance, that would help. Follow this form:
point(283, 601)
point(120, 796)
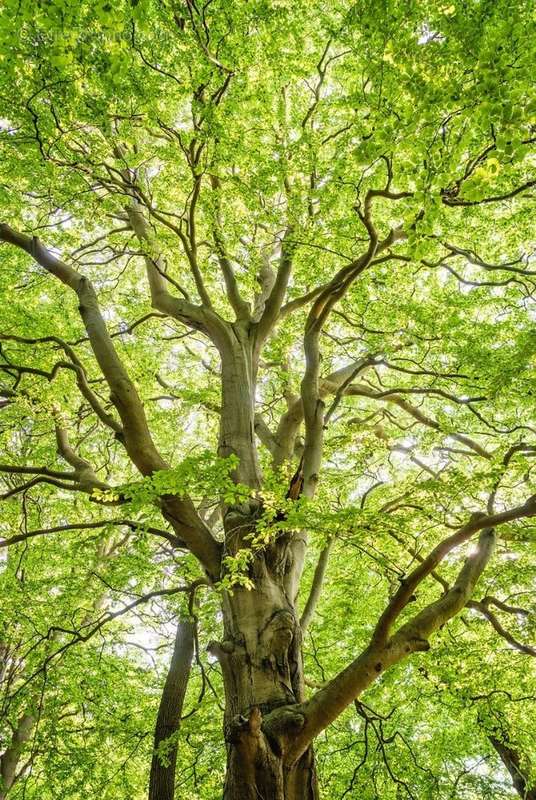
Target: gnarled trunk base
point(256, 768)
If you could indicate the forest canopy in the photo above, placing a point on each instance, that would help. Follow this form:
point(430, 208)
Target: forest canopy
point(267, 384)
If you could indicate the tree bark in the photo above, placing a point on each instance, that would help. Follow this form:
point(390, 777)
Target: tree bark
point(269, 727)
point(260, 654)
point(261, 663)
point(511, 759)
point(10, 758)
point(237, 421)
point(162, 778)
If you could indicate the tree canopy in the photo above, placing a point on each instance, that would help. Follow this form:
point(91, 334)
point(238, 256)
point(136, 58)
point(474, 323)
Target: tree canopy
point(267, 350)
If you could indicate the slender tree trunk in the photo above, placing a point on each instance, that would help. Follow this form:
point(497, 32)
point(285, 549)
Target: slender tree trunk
point(24, 730)
point(162, 778)
point(512, 761)
point(9, 761)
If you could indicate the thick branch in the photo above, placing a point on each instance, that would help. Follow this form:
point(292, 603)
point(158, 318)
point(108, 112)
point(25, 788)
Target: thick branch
point(238, 304)
point(264, 433)
point(407, 588)
point(124, 396)
point(274, 302)
point(83, 471)
point(511, 759)
point(161, 298)
point(137, 438)
point(291, 420)
point(326, 704)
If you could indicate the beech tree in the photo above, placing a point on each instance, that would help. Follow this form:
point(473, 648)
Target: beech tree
point(267, 356)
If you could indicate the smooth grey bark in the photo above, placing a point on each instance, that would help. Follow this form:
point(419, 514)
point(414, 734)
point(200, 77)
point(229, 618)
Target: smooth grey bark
point(135, 434)
point(162, 777)
point(239, 368)
point(316, 587)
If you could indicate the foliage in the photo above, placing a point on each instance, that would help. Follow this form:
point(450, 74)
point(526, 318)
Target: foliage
point(241, 134)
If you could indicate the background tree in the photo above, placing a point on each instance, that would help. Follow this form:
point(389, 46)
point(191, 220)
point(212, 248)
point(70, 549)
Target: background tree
point(269, 318)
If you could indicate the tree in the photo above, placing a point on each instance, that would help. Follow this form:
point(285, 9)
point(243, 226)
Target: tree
point(277, 301)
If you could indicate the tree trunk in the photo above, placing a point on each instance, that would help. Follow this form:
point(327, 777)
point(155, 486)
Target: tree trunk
point(162, 779)
point(260, 655)
point(237, 421)
point(262, 670)
point(512, 762)
point(255, 771)
point(9, 760)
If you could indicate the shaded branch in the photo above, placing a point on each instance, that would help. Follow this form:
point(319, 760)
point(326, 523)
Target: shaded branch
point(483, 608)
point(81, 376)
point(477, 522)
point(132, 524)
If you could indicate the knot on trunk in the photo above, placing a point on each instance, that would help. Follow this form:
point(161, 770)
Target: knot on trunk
point(283, 722)
point(240, 521)
point(276, 638)
point(419, 645)
point(221, 649)
point(254, 769)
point(242, 727)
